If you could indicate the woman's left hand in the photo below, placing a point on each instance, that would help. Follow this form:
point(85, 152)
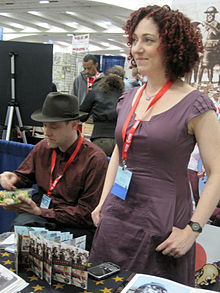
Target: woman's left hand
point(179, 242)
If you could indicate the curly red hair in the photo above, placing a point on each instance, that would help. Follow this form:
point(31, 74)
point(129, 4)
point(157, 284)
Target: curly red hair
point(180, 40)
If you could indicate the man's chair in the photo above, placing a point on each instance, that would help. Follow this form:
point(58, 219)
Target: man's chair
point(11, 155)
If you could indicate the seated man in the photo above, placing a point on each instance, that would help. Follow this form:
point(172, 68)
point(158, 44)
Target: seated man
point(68, 170)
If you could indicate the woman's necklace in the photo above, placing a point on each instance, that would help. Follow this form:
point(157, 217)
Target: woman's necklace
point(149, 97)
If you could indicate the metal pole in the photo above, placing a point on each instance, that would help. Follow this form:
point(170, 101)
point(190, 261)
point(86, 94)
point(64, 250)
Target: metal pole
point(12, 75)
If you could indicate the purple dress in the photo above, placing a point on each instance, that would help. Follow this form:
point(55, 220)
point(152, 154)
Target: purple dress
point(158, 197)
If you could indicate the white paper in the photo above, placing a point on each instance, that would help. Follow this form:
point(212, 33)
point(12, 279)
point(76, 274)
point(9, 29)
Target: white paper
point(9, 241)
point(151, 282)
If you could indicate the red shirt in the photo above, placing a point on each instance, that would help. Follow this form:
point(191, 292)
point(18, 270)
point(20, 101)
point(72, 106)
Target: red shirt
point(78, 192)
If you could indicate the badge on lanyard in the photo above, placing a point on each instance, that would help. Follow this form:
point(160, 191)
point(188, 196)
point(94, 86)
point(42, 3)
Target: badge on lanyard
point(45, 202)
point(122, 182)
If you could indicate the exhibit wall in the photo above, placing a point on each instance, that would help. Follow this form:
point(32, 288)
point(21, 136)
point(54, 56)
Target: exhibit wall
point(32, 78)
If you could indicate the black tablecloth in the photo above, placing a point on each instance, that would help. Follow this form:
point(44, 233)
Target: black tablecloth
point(115, 283)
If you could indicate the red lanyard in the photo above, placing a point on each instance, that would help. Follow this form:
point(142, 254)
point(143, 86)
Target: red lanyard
point(90, 82)
point(127, 141)
point(53, 184)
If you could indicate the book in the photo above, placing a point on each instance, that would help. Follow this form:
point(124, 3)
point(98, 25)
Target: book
point(142, 283)
point(52, 255)
point(10, 282)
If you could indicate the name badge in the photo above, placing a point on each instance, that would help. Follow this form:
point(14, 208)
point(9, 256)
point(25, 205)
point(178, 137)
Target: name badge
point(122, 182)
point(45, 202)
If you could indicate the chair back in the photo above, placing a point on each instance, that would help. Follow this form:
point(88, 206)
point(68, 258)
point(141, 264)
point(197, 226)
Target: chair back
point(11, 155)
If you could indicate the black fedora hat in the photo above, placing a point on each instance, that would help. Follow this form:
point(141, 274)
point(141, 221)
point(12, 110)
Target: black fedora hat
point(58, 107)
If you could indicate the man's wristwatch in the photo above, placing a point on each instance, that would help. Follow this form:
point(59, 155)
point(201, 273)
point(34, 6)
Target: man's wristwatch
point(195, 226)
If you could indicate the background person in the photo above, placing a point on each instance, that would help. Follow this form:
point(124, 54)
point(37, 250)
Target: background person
point(194, 173)
point(68, 170)
point(134, 80)
point(101, 104)
point(87, 78)
point(152, 230)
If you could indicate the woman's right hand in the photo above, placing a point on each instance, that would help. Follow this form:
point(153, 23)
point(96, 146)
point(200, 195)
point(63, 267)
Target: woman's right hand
point(96, 215)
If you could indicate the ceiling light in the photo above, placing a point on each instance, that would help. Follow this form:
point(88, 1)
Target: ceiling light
point(30, 30)
point(34, 12)
point(4, 14)
point(71, 13)
point(72, 24)
point(108, 22)
point(43, 24)
point(105, 44)
point(56, 29)
point(104, 24)
point(44, 1)
point(17, 25)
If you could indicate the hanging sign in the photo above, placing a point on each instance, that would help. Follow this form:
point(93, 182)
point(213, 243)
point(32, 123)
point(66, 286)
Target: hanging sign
point(1, 33)
point(80, 43)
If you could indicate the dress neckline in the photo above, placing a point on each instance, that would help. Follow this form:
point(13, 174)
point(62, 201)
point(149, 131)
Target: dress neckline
point(168, 110)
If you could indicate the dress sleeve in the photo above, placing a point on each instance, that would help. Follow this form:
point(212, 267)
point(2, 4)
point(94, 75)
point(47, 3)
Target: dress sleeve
point(201, 105)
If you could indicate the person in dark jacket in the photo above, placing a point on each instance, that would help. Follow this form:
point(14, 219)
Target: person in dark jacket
point(101, 104)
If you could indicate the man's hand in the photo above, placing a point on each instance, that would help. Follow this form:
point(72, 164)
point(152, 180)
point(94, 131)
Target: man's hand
point(27, 205)
point(178, 243)
point(8, 180)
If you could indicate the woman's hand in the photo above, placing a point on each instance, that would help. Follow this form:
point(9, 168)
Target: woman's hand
point(96, 215)
point(179, 242)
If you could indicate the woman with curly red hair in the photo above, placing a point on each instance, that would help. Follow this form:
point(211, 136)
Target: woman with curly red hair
point(145, 222)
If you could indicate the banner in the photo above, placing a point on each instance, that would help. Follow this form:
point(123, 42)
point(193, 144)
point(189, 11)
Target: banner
point(80, 43)
point(1, 33)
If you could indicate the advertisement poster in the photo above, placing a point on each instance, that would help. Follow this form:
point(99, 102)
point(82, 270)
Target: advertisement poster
point(208, 259)
point(206, 16)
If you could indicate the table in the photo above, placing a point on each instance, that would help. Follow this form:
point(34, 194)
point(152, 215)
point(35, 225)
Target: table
point(113, 284)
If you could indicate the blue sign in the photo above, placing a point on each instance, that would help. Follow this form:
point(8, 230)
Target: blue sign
point(1, 33)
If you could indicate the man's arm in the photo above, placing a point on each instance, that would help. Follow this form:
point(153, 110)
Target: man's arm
point(74, 89)
point(76, 84)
